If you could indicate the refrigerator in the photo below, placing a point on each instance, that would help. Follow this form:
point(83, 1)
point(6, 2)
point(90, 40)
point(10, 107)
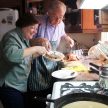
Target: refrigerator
point(8, 17)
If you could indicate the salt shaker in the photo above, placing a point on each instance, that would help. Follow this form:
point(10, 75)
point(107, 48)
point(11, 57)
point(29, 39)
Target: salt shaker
point(103, 80)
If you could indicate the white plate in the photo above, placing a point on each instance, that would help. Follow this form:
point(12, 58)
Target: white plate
point(54, 55)
point(64, 74)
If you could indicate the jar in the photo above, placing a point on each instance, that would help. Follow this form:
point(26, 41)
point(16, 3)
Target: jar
point(103, 80)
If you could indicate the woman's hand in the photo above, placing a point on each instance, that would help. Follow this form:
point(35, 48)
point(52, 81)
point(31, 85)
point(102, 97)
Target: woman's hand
point(40, 50)
point(46, 44)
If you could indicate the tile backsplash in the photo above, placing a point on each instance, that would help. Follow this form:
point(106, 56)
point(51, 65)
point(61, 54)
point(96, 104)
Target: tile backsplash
point(85, 40)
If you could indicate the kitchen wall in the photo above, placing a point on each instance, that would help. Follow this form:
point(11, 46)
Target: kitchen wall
point(86, 39)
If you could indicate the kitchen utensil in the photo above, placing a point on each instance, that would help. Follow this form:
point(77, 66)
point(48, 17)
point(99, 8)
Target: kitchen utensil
point(103, 81)
point(75, 97)
point(64, 74)
point(94, 70)
point(94, 65)
point(54, 55)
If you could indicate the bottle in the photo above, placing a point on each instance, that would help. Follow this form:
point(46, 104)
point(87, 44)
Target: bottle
point(103, 80)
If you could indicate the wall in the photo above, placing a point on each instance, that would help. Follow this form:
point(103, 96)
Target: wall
point(1, 106)
point(86, 39)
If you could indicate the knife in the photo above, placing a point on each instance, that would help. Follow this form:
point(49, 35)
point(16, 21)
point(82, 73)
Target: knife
point(94, 70)
point(94, 65)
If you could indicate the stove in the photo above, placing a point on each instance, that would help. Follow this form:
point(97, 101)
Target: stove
point(68, 87)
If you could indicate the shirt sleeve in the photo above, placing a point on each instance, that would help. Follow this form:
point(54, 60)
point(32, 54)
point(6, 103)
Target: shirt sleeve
point(11, 49)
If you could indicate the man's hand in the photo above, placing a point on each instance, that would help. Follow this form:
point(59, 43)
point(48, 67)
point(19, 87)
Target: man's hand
point(69, 41)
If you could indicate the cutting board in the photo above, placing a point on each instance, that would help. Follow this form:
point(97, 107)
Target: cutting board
point(76, 66)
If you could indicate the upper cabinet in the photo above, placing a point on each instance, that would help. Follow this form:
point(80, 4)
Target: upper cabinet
point(35, 6)
point(14, 4)
point(76, 20)
point(79, 20)
point(84, 20)
point(103, 19)
point(88, 23)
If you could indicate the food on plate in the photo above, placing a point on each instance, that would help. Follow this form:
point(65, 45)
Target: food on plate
point(85, 104)
point(77, 68)
point(64, 74)
point(70, 57)
point(54, 55)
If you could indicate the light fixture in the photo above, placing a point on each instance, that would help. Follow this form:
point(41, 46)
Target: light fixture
point(92, 4)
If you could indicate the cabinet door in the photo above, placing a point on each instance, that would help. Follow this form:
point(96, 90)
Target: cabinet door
point(103, 14)
point(103, 19)
point(15, 4)
point(87, 20)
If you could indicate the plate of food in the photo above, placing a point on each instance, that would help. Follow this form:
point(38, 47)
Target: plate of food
point(54, 55)
point(64, 74)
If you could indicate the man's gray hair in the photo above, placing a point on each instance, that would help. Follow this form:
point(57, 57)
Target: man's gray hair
point(56, 4)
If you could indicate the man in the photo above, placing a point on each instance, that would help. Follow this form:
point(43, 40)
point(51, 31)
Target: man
point(52, 28)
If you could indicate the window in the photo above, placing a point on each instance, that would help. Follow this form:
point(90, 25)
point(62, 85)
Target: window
point(104, 36)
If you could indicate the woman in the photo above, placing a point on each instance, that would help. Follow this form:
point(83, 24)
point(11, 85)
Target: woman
point(15, 61)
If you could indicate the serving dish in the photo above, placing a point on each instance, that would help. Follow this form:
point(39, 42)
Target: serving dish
point(64, 74)
point(54, 55)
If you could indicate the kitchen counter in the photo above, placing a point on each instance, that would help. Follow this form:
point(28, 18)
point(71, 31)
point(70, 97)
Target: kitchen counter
point(85, 81)
point(85, 76)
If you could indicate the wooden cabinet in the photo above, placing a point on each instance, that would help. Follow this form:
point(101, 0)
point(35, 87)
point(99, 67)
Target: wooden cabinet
point(41, 5)
point(103, 19)
point(76, 20)
point(84, 22)
point(87, 21)
point(14, 4)
point(35, 6)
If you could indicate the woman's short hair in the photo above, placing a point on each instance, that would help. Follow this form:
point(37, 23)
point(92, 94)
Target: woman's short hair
point(26, 19)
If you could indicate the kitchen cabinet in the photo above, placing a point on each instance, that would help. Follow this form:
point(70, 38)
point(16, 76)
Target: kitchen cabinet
point(76, 20)
point(103, 19)
point(87, 21)
point(80, 20)
point(35, 6)
point(40, 5)
point(84, 21)
point(14, 4)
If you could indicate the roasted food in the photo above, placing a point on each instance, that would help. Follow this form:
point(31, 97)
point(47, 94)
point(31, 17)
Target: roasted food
point(70, 57)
